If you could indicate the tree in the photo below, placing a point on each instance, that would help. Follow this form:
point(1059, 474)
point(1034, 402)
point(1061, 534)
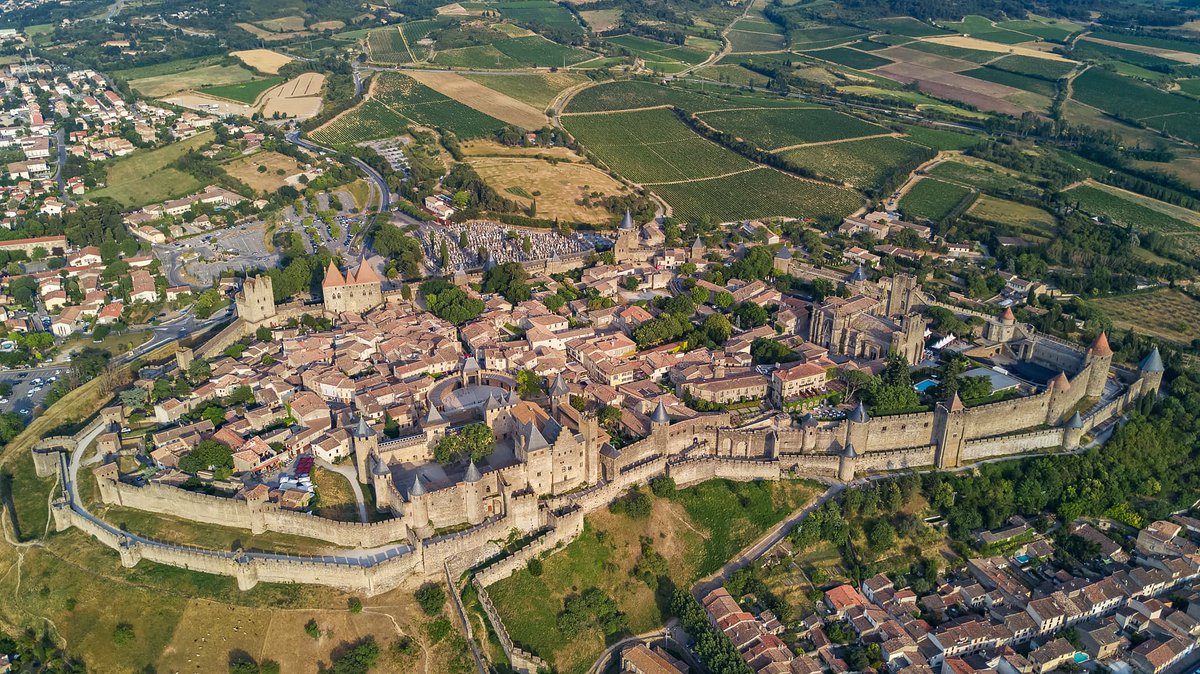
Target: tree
point(750, 315)
point(242, 395)
point(699, 294)
point(208, 455)
point(263, 334)
point(717, 328)
point(474, 440)
point(880, 535)
point(755, 265)
point(431, 598)
point(529, 384)
point(724, 300)
point(508, 280)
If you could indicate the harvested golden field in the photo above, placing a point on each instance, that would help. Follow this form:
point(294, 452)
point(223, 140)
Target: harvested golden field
point(557, 188)
point(246, 170)
point(329, 25)
point(264, 60)
point(196, 78)
point(299, 97)
point(481, 98)
point(1033, 49)
point(600, 20)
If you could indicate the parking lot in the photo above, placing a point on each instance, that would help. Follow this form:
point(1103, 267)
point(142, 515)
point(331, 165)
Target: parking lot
point(237, 248)
point(28, 393)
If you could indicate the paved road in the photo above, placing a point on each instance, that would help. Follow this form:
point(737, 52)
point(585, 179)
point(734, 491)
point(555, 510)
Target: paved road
point(380, 184)
point(348, 471)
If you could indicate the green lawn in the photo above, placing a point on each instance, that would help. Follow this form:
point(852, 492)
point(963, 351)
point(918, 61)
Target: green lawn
point(696, 530)
point(246, 92)
point(146, 177)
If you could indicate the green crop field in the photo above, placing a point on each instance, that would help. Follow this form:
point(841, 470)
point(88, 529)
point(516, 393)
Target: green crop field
point(931, 199)
point(652, 146)
point(745, 41)
point(1127, 97)
point(1055, 30)
point(1100, 202)
point(1034, 67)
point(760, 193)
point(246, 92)
point(1032, 84)
point(540, 12)
point(777, 128)
point(1007, 212)
point(851, 58)
point(660, 55)
point(982, 28)
point(903, 25)
point(630, 95)
point(1149, 41)
point(862, 163)
point(147, 177)
point(386, 45)
point(817, 37)
point(416, 31)
point(480, 57)
point(537, 52)
point(950, 51)
point(983, 177)
point(1087, 49)
point(940, 139)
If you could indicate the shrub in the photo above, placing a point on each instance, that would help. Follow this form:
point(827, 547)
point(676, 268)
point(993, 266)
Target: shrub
point(355, 605)
point(535, 567)
point(662, 486)
point(431, 597)
point(123, 635)
point(438, 629)
point(635, 504)
point(312, 630)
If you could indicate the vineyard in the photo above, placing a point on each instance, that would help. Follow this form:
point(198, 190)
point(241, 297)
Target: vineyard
point(540, 12)
point(1034, 67)
point(903, 25)
point(1099, 202)
point(745, 41)
point(652, 146)
point(396, 101)
point(536, 51)
point(660, 55)
point(984, 177)
point(1014, 80)
point(851, 58)
point(630, 95)
point(931, 199)
point(862, 163)
point(783, 127)
point(386, 45)
point(760, 193)
point(1127, 97)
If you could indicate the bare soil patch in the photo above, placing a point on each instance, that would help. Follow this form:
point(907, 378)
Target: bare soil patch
point(264, 60)
point(985, 96)
point(920, 58)
point(490, 148)
point(210, 104)
point(299, 97)
point(483, 99)
point(329, 25)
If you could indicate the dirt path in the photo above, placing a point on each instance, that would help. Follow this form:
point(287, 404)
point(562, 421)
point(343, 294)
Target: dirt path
point(407, 47)
point(705, 178)
point(614, 112)
point(915, 176)
point(835, 142)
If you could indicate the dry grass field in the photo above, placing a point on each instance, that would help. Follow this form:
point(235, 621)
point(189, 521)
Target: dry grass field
point(299, 97)
point(329, 25)
point(560, 185)
point(283, 24)
point(264, 60)
point(490, 148)
point(488, 101)
point(1169, 314)
point(197, 78)
point(600, 20)
point(246, 170)
point(1034, 49)
point(270, 36)
point(1003, 210)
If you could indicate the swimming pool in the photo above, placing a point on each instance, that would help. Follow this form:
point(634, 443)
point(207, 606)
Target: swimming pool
point(1080, 658)
point(924, 385)
point(1022, 559)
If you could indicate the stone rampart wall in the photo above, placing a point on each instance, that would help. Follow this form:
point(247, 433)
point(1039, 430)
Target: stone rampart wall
point(898, 459)
point(1006, 445)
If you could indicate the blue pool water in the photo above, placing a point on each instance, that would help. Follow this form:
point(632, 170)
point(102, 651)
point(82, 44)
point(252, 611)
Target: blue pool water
point(924, 385)
point(1081, 658)
point(1023, 559)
